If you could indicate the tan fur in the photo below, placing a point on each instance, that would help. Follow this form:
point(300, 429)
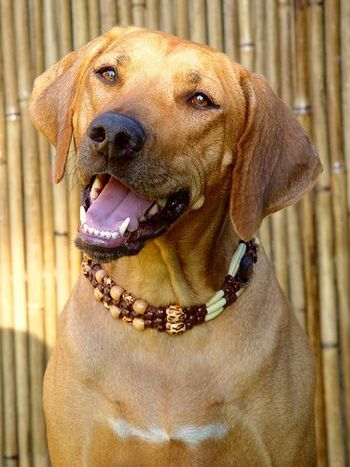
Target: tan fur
point(250, 369)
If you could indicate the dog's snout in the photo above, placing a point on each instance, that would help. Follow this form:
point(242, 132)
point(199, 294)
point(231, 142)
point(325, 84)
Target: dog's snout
point(113, 134)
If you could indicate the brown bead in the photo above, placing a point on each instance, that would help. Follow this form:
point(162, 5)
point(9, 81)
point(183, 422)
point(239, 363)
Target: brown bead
point(101, 288)
point(116, 292)
point(98, 294)
point(202, 310)
point(158, 321)
point(99, 275)
point(115, 311)
point(128, 299)
point(148, 315)
point(160, 312)
point(140, 306)
point(148, 323)
point(94, 282)
point(138, 324)
point(96, 267)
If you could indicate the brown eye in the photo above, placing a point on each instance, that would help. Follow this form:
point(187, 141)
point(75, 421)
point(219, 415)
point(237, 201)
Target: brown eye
point(200, 101)
point(107, 73)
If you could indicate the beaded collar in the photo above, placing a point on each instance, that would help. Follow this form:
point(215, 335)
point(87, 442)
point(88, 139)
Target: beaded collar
point(173, 319)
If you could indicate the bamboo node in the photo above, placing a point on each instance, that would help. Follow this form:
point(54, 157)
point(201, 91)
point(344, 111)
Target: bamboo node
point(247, 46)
point(302, 110)
point(13, 115)
point(60, 234)
point(338, 167)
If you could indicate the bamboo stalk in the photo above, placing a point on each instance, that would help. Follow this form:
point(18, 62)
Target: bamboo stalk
point(59, 191)
point(339, 198)
point(108, 12)
point(13, 135)
point(152, 11)
point(181, 19)
point(345, 74)
point(324, 222)
point(246, 40)
point(80, 37)
point(93, 16)
point(166, 16)
point(45, 190)
point(8, 413)
point(138, 12)
point(198, 30)
point(231, 29)
point(125, 12)
point(33, 228)
point(214, 17)
point(259, 36)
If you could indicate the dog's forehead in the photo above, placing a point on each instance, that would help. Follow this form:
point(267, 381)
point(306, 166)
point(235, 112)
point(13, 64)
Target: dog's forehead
point(159, 51)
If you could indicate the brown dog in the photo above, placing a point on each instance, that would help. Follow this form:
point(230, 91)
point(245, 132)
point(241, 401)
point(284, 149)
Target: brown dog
point(180, 153)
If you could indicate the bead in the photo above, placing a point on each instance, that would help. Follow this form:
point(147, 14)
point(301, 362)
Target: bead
point(126, 319)
point(96, 267)
point(116, 292)
point(158, 321)
point(107, 280)
point(138, 324)
point(148, 323)
point(99, 275)
point(98, 294)
point(149, 315)
point(175, 314)
point(175, 328)
point(115, 311)
point(101, 288)
point(245, 268)
point(140, 306)
point(202, 310)
point(128, 299)
point(160, 312)
point(94, 282)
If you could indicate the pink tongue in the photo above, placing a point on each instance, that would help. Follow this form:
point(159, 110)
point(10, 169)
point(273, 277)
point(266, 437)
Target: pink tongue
point(114, 204)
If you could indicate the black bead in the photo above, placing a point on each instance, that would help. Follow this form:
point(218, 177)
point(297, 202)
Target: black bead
point(245, 268)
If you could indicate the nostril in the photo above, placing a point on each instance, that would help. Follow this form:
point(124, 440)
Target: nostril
point(97, 134)
point(122, 142)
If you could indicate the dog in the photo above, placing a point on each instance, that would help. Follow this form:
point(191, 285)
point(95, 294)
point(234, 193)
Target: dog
point(180, 154)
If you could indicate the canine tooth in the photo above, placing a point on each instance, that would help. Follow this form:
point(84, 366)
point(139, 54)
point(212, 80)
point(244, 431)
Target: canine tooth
point(142, 218)
point(82, 215)
point(93, 194)
point(154, 209)
point(124, 226)
point(97, 184)
point(162, 202)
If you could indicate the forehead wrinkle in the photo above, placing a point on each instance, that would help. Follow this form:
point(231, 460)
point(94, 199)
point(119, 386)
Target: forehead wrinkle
point(194, 77)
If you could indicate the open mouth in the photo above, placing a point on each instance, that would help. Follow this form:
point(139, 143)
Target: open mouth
point(116, 221)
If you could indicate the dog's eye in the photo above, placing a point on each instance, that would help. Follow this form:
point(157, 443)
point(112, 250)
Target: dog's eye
point(200, 101)
point(107, 73)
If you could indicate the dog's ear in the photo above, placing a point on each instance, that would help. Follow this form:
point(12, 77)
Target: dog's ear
point(56, 92)
point(276, 162)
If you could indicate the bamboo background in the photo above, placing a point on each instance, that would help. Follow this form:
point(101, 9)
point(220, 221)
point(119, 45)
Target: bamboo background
point(303, 48)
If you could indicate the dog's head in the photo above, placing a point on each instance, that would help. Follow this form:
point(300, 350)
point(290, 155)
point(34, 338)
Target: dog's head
point(160, 124)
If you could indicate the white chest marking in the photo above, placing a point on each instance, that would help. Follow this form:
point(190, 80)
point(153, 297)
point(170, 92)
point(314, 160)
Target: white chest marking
point(186, 434)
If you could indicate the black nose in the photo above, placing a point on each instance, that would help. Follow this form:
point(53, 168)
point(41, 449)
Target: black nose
point(116, 135)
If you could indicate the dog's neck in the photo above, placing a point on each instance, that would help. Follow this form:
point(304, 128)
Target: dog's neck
point(185, 266)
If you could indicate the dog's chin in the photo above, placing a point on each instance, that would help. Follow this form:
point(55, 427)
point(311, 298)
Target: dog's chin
point(116, 221)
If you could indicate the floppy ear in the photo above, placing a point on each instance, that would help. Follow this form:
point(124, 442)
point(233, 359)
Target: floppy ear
point(56, 91)
point(276, 162)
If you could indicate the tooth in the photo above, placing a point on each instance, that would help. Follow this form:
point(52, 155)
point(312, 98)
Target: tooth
point(162, 202)
point(114, 235)
point(85, 228)
point(124, 226)
point(154, 209)
point(93, 194)
point(142, 218)
point(96, 232)
point(103, 234)
point(91, 230)
point(97, 184)
point(82, 215)
point(109, 234)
